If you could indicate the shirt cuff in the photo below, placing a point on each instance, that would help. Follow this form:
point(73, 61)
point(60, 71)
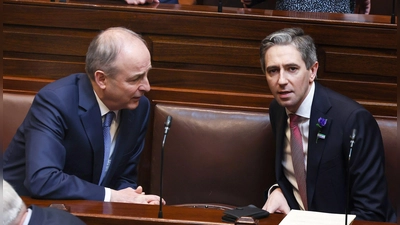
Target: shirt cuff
point(107, 196)
point(272, 188)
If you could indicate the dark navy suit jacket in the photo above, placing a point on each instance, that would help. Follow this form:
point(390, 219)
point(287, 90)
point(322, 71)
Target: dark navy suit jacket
point(327, 158)
point(51, 216)
point(57, 152)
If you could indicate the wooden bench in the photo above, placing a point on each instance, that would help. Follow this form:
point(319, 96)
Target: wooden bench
point(211, 155)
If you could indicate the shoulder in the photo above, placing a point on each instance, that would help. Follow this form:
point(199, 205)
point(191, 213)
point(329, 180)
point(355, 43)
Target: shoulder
point(71, 80)
point(342, 109)
point(336, 101)
point(66, 90)
point(42, 215)
point(274, 107)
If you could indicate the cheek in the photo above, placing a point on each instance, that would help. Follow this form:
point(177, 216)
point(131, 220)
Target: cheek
point(270, 80)
point(270, 83)
point(131, 89)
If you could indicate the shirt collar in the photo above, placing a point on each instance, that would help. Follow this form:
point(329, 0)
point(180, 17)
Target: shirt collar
point(28, 216)
point(103, 108)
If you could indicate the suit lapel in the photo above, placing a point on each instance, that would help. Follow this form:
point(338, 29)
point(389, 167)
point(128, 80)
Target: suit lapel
point(281, 124)
point(319, 109)
point(91, 121)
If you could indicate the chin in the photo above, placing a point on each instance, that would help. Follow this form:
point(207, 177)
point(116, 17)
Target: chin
point(286, 104)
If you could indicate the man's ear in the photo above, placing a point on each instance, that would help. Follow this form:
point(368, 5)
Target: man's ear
point(100, 78)
point(313, 70)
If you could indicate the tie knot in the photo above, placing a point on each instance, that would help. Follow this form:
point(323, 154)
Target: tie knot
point(294, 120)
point(108, 119)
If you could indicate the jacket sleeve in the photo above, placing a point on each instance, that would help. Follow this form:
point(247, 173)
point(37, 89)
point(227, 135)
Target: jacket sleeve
point(46, 126)
point(368, 187)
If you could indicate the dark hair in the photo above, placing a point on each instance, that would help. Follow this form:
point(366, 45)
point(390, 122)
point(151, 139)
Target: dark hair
point(290, 36)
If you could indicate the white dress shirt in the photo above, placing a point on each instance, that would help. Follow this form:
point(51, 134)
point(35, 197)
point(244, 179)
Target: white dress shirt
point(304, 123)
point(113, 132)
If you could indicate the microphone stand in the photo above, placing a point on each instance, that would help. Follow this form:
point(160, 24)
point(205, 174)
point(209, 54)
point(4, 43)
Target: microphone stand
point(352, 140)
point(166, 129)
point(347, 193)
point(160, 213)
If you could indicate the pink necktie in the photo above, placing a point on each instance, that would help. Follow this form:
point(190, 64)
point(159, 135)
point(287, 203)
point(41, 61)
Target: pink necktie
point(296, 145)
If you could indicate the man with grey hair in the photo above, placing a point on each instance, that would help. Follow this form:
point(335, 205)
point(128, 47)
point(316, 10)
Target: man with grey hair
point(15, 211)
point(323, 139)
point(83, 135)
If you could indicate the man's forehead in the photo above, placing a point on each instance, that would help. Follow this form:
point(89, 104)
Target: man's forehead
point(283, 55)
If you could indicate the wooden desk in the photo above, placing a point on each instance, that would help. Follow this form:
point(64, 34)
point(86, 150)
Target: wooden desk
point(94, 212)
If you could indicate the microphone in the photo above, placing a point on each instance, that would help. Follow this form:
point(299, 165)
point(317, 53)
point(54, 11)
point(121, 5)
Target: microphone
point(352, 141)
point(167, 126)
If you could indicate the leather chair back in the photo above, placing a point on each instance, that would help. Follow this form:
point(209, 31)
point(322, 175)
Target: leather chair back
point(388, 127)
point(212, 156)
point(15, 108)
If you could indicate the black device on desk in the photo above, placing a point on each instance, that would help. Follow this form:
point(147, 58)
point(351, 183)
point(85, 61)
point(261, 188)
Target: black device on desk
point(233, 215)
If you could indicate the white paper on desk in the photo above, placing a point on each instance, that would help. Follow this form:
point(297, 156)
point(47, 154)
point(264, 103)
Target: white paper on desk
point(300, 217)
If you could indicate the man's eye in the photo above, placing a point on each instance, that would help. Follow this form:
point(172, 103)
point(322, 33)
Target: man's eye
point(273, 71)
point(136, 79)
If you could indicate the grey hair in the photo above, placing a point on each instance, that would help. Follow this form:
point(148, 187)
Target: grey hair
point(104, 49)
point(12, 204)
point(290, 36)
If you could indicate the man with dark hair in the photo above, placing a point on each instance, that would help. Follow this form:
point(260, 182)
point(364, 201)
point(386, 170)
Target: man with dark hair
point(323, 139)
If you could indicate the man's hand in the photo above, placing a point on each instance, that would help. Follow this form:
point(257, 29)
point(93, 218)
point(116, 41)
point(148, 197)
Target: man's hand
point(139, 190)
point(141, 2)
point(130, 195)
point(277, 203)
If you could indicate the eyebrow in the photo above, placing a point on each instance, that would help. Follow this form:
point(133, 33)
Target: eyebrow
point(291, 65)
point(285, 65)
point(271, 67)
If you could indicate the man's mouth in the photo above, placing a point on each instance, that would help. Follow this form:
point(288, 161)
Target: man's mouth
point(284, 94)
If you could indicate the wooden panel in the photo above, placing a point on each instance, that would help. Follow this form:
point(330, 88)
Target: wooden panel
point(202, 51)
point(46, 43)
point(41, 68)
point(366, 64)
point(206, 51)
point(212, 81)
